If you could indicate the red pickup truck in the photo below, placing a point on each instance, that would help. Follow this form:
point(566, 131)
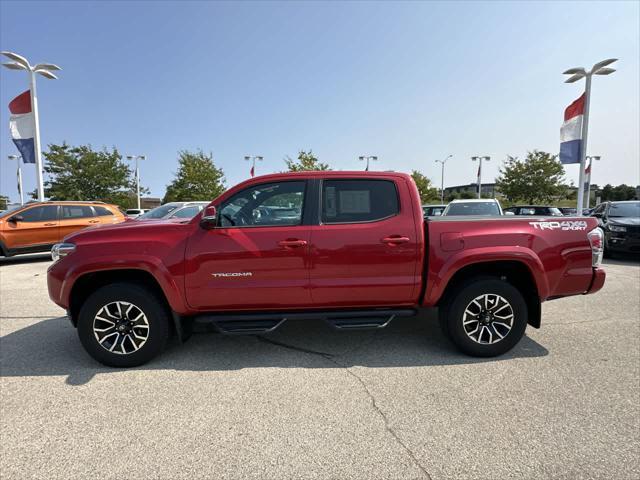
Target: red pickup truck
point(348, 247)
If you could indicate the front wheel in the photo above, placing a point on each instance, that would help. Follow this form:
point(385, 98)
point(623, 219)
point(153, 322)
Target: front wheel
point(123, 325)
point(486, 317)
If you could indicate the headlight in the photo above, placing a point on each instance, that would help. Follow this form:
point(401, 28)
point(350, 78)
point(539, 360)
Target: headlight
point(60, 250)
point(617, 228)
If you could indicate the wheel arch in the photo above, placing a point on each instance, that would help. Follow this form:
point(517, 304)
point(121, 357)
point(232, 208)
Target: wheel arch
point(92, 281)
point(514, 272)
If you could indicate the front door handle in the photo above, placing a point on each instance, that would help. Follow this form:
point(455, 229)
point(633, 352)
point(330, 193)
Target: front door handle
point(49, 224)
point(293, 243)
point(395, 240)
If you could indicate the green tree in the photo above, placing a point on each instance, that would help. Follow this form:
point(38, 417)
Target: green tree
point(4, 201)
point(306, 161)
point(537, 178)
point(468, 195)
point(197, 178)
point(81, 173)
point(428, 193)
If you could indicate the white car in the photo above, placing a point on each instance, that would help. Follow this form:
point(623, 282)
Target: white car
point(486, 207)
point(135, 212)
point(174, 210)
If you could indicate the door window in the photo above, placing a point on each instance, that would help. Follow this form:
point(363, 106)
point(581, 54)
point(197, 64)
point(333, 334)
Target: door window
point(272, 204)
point(46, 213)
point(102, 212)
point(352, 201)
point(76, 211)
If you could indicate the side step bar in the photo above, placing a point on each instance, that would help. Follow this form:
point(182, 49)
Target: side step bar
point(258, 323)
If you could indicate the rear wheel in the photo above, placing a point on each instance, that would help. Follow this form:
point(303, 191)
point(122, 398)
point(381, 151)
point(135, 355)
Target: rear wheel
point(486, 317)
point(123, 325)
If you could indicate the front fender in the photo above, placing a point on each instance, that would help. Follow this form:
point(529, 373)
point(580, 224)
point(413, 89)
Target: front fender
point(147, 263)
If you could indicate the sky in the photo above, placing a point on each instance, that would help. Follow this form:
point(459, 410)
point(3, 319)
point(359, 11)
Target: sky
point(409, 82)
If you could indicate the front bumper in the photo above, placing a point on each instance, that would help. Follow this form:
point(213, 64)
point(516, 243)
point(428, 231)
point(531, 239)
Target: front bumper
point(623, 242)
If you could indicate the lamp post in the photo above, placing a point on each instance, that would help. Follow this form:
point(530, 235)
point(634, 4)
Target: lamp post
point(588, 176)
point(136, 158)
point(253, 159)
point(577, 73)
point(480, 159)
point(364, 158)
point(19, 173)
point(44, 69)
point(442, 177)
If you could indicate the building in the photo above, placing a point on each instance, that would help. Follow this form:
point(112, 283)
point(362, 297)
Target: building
point(150, 202)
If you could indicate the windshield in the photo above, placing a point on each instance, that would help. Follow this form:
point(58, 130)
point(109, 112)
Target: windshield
point(158, 212)
point(10, 210)
point(631, 209)
point(473, 208)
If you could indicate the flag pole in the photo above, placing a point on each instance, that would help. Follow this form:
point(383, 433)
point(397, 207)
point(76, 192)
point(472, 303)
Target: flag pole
point(36, 134)
point(583, 150)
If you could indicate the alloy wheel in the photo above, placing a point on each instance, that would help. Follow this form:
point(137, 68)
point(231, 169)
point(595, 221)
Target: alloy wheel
point(121, 327)
point(488, 319)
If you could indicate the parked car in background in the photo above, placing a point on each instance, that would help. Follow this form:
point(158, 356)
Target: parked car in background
point(486, 207)
point(568, 211)
point(37, 226)
point(433, 210)
point(620, 222)
point(135, 212)
point(174, 210)
point(533, 210)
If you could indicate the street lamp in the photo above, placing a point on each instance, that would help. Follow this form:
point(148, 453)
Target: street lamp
point(442, 178)
point(588, 175)
point(136, 158)
point(577, 73)
point(365, 158)
point(480, 159)
point(44, 69)
point(18, 158)
point(252, 159)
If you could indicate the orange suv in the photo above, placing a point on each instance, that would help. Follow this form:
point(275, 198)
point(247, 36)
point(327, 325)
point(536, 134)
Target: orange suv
point(37, 226)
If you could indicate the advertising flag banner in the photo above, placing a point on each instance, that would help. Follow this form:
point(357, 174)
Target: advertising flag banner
point(22, 126)
point(571, 132)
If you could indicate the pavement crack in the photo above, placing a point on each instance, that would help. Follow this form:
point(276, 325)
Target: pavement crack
point(387, 426)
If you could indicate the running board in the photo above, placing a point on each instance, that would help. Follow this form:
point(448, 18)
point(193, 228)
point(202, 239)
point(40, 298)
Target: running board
point(259, 323)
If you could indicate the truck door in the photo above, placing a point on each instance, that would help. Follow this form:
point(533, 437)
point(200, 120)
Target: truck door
point(257, 257)
point(365, 252)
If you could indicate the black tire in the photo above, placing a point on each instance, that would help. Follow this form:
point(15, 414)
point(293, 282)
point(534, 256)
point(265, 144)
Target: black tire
point(146, 301)
point(458, 302)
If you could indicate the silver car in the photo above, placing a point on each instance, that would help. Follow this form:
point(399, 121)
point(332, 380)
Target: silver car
point(174, 210)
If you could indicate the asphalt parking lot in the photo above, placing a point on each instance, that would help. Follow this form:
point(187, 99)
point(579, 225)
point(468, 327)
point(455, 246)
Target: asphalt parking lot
point(308, 402)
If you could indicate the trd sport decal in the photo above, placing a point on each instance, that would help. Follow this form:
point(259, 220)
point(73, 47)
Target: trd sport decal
point(564, 225)
point(232, 274)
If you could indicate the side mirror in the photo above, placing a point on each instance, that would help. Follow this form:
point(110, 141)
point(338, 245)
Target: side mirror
point(15, 219)
point(209, 218)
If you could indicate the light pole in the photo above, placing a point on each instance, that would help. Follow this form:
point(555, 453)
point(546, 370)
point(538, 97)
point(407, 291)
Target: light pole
point(577, 73)
point(364, 158)
point(588, 176)
point(136, 158)
point(253, 159)
point(18, 158)
point(442, 177)
point(44, 69)
point(480, 159)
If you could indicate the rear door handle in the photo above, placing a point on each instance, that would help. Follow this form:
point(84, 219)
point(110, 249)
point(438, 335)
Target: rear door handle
point(294, 243)
point(94, 221)
point(396, 239)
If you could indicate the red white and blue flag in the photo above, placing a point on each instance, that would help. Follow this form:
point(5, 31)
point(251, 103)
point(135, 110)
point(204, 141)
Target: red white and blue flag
point(22, 126)
point(571, 132)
